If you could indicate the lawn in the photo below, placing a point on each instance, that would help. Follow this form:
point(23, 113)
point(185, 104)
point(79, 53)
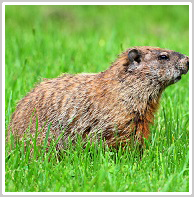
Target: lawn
point(46, 41)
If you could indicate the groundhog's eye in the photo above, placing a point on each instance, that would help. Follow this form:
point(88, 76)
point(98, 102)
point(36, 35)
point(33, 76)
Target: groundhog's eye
point(163, 57)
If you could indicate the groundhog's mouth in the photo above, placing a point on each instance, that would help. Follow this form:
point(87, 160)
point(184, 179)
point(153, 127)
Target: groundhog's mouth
point(177, 79)
point(180, 73)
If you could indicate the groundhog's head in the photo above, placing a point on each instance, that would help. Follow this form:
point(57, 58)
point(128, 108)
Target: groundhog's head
point(155, 64)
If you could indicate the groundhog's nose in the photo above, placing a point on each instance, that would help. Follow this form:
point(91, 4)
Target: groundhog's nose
point(184, 65)
point(187, 65)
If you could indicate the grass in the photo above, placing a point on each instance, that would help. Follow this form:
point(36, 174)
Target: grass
point(46, 41)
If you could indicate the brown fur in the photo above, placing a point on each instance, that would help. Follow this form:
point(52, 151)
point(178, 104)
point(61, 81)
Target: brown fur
point(117, 104)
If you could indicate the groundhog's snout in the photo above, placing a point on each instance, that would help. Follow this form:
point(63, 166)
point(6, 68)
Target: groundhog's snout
point(187, 65)
point(184, 65)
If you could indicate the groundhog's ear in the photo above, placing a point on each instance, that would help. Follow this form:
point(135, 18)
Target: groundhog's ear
point(134, 55)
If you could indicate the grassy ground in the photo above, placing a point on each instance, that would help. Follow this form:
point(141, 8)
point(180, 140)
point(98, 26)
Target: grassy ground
point(45, 41)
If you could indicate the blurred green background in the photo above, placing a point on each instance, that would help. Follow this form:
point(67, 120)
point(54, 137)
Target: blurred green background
point(46, 41)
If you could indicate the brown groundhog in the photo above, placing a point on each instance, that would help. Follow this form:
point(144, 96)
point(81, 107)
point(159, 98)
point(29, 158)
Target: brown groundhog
point(115, 105)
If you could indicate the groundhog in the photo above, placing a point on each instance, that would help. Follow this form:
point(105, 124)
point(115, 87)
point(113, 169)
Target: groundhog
point(116, 105)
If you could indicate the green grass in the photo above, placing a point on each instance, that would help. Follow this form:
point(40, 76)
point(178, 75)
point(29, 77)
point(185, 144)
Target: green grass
point(46, 41)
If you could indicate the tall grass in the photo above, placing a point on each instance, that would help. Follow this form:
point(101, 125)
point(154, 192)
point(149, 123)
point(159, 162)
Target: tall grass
point(45, 41)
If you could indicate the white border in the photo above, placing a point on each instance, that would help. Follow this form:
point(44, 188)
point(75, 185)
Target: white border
point(3, 98)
